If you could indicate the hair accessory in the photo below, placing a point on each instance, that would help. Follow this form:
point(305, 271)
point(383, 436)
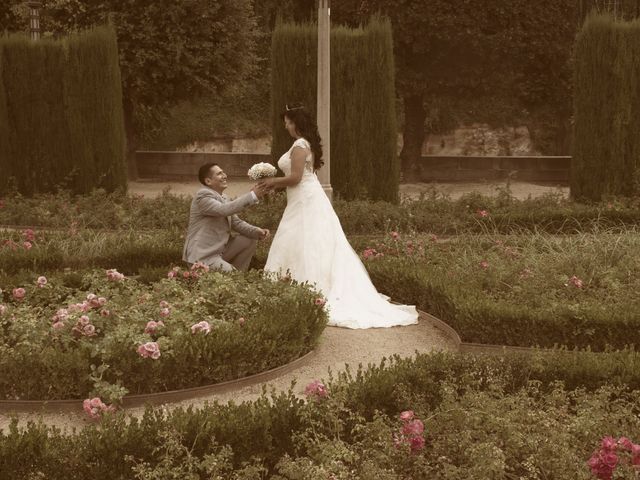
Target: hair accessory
point(288, 108)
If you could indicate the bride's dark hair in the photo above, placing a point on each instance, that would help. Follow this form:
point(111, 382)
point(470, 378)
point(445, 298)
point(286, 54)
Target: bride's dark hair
point(306, 128)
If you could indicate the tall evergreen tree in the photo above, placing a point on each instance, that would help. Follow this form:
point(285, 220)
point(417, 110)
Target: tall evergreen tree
point(364, 162)
point(606, 156)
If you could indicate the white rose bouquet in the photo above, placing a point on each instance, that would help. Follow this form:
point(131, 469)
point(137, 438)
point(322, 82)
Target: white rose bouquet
point(261, 170)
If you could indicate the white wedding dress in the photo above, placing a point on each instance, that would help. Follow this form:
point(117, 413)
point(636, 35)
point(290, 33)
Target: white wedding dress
point(311, 246)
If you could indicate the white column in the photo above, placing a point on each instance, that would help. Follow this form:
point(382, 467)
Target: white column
point(324, 92)
point(34, 19)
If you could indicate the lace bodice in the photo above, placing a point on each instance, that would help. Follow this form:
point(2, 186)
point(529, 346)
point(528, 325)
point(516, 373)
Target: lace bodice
point(285, 160)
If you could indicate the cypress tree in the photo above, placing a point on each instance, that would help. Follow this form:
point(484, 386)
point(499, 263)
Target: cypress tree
point(97, 122)
point(364, 162)
point(606, 152)
point(33, 79)
point(62, 101)
point(6, 171)
point(384, 163)
point(294, 60)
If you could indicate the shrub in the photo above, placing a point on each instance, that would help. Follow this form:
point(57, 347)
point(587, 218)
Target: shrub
point(474, 410)
point(516, 290)
point(432, 213)
point(113, 334)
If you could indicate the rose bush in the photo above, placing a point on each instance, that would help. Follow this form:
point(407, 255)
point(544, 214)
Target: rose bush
point(438, 416)
point(523, 290)
point(58, 341)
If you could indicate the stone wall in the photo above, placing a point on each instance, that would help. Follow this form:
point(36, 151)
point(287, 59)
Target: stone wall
point(472, 140)
point(185, 165)
point(439, 168)
point(433, 168)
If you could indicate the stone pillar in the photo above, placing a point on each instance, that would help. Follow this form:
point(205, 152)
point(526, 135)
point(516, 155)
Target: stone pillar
point(34, 19)
point(324, 92)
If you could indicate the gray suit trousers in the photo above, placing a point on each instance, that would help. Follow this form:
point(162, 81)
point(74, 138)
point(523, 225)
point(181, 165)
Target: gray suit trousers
point(236, 256)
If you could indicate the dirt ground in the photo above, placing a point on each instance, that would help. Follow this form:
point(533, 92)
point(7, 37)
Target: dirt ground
point(338, 347)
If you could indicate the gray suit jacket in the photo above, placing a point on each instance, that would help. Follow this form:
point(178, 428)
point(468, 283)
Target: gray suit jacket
point(211, 220)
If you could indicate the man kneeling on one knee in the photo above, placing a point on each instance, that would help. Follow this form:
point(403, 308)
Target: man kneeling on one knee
point(216, 236)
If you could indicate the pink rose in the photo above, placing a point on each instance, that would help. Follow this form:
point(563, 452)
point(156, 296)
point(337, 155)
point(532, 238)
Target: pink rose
point(320, 302)
point(625, 443)
point(414, 427)
point(416, 443)
point(19, 293)
point(483, 213)
point(89, 330)
point(29, 235)
point(93, 412)
point(41, 282)
point(114, 275)
point(27, 245)
point(58, 325)
point(149, 350)
point(105, 312)
point(610, 459)
point(11, 244)
point(406, 415)
point(608, 443)
point(316, 389)
point(484, 264)
point(203, 327)
point(575, 281)
point(241, 320)
point(102, 301)
point(200, 266)
point(635, 454)
point(152, 326)
point(164, 312)
point(60, 315)
point(84, 320)
point(395, 235)
point(164, 304)
point(186, 274)
point(2, 309)
point(95, 407)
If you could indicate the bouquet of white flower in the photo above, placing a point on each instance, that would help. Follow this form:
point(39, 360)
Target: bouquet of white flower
point(261, 170)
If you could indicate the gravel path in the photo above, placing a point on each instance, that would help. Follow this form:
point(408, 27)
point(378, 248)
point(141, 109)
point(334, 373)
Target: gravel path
point(520, 190)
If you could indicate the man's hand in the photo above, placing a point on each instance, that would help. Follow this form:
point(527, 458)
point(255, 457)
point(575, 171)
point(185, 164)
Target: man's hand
point(265, 234)
point(260, 190)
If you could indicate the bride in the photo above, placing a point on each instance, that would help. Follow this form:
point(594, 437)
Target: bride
point(310, 243)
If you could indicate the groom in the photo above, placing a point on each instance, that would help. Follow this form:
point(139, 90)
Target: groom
point(216, 236)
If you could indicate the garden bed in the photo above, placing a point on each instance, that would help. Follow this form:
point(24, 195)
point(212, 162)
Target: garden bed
point(102, 334)
point(435, 416)
point(434, 213)
point(521, 290)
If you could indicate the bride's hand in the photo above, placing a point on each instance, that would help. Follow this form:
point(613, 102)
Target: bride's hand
point(266, 183)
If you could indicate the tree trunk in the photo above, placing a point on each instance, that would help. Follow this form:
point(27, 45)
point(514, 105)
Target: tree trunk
point(413, 137)
point(132, 141)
